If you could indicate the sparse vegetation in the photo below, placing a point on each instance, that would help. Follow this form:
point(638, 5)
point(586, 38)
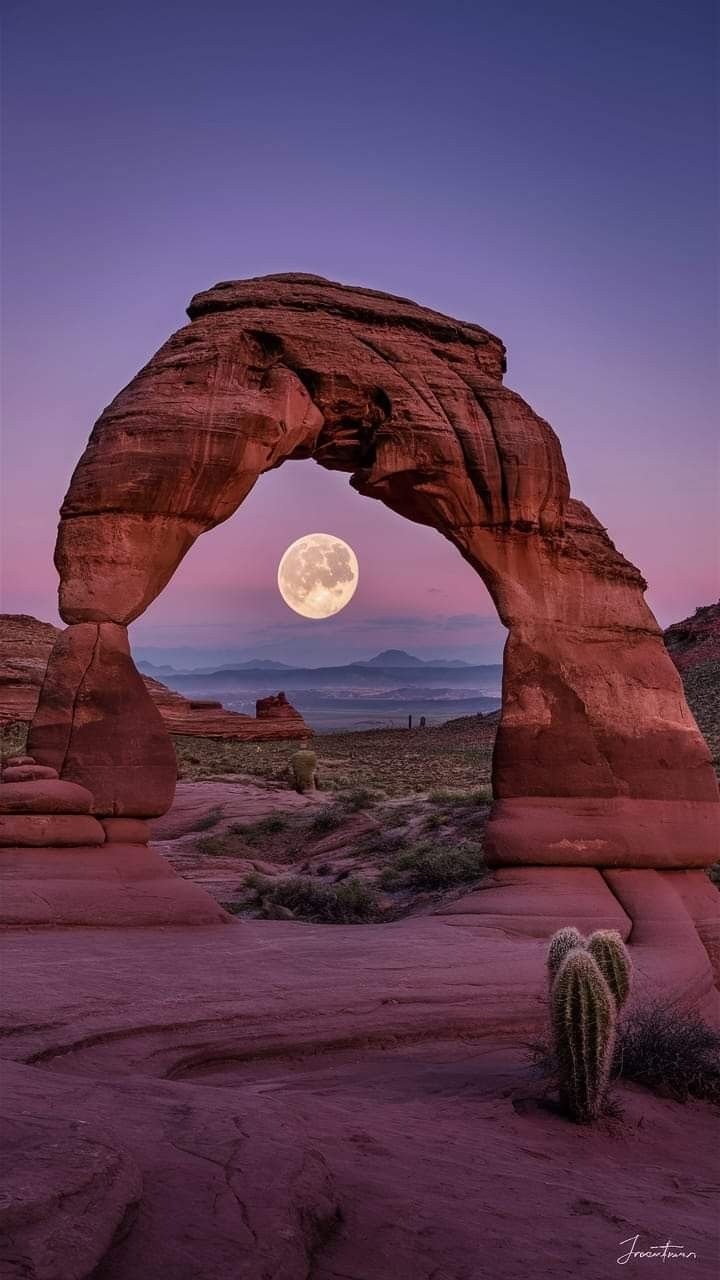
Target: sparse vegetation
point(611, 957)
point(350, 902)
point(326, 820)
point(208, 820)
point(223, 845)
point(254, 833)
point(427, 866)
point(561, 944)
point(13, 738)
point(394, 761)
point(450, 799)
point(673, 1053)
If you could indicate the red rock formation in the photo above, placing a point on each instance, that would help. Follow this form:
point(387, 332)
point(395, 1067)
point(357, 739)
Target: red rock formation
point(26, 645)
point(207, 718)
point(97, 724)
point(276, 707)
point(412, 403)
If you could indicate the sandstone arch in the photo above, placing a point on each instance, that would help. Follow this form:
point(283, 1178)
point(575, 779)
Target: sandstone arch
point(598, 760)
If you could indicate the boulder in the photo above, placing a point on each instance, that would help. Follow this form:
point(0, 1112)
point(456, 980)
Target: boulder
point(48, 797)
point(28, 773)
point(12, 761)
point(33, 830)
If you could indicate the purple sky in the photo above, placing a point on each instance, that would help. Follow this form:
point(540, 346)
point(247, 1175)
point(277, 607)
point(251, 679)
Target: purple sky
point(544, 169)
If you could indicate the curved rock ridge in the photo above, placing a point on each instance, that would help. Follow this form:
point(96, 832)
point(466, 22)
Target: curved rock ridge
point(413, 405)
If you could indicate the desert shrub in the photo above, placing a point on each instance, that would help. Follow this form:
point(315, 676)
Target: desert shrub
point(13, 738)
point(208, 820)
point(223, 845)
point(327, 819)
point(425, 866)
point(351, 902)
point(672, 1052)
point(356, 799)
point(460, 799)
point(433, 821)
point(714, 873)
point(234, 908)
point(254, 833)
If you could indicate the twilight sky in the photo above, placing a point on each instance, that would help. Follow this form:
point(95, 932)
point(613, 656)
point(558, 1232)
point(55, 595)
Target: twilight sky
point(544, 168)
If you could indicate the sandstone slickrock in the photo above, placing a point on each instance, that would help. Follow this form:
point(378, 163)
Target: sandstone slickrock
point(116, 886)
point(126, 830)
point(65, 1196)
point(412, 403)
point(44, 797)
point(57, 830)
point(26, 645)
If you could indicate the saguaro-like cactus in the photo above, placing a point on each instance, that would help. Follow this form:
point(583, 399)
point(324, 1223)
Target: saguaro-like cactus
point(610, 955)
point(583, 1024)
point(561, 943)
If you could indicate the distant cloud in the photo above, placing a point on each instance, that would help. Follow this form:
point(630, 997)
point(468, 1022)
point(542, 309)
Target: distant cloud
point(460, 621)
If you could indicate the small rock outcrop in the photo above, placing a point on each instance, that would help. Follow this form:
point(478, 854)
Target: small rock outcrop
point(38, 810)
point(694, 646)
point(695, 640)
point(277, 707)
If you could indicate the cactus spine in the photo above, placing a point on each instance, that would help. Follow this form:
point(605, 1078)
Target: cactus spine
point(608, 951)
point(562, 942)
point(583, 1024)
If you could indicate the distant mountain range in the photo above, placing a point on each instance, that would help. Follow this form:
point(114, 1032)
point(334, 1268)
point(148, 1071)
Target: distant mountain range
point(389, 658)
point(253, 664)
point(399, 658)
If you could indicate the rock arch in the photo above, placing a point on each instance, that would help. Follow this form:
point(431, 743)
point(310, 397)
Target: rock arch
point(598, 760)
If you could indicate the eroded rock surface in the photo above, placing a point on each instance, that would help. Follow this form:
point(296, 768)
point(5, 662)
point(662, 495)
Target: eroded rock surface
point(97, 725)
point(412, 403)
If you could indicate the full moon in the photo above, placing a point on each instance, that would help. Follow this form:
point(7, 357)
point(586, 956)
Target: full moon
point(317, 575)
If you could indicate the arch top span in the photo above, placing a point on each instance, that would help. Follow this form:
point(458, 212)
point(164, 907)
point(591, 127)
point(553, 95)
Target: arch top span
point(409, 401)
point(413, 405)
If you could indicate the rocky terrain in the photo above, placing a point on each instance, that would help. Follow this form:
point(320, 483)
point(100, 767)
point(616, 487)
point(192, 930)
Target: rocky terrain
point(337, 1078)
point(26, 644)
point(694, 646)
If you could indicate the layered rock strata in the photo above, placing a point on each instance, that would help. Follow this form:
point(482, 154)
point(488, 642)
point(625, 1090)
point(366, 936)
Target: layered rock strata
point(412, 404)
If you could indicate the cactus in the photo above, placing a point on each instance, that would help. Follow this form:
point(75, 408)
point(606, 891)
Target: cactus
point(583, 1025)
point(561, 943)
point(304, 769)
point(608, 951)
